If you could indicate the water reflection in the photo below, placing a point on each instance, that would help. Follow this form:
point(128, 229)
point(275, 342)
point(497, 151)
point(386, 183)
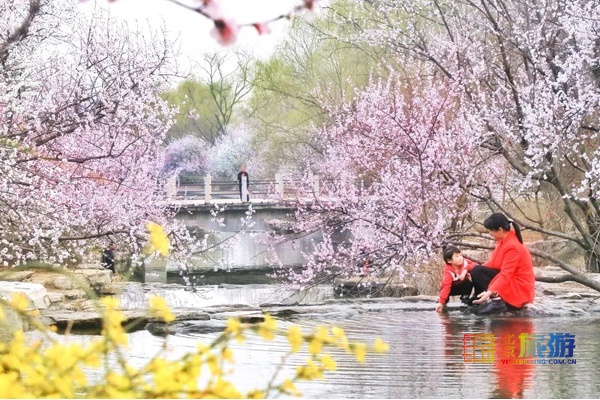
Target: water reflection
point(511, 378)
point(453, 334)
point(425, 358)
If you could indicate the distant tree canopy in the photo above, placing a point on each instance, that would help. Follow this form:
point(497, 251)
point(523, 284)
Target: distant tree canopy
point(312, 68)
point(197, 116)
point(208, 103)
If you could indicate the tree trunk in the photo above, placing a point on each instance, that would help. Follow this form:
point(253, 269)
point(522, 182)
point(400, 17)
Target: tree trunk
point(592, 256)
point(592, 262)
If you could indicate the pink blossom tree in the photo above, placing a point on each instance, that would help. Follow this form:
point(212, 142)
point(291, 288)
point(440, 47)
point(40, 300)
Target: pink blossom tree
point(531, 73)
point(399, 162)
point(227, 28)
point(528, 73)
point(81, 132)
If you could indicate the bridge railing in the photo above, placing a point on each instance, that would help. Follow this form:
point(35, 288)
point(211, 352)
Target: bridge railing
point(208, 189)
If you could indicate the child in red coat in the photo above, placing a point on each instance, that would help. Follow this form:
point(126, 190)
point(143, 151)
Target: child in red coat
point(456, 279)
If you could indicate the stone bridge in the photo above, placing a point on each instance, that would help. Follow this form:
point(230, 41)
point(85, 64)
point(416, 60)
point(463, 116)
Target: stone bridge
point(198, 192)
point(271, 203)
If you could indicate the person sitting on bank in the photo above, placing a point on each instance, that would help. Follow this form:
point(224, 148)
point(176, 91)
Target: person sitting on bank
point(507, 279)
point(108, 258)
point(456, 279)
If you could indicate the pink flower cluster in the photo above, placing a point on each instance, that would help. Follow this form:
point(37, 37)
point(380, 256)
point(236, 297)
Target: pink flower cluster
point(226, 29)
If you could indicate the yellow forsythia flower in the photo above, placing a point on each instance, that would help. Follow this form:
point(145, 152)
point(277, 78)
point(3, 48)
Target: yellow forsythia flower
point(164, 379)
point(289, 387)
point(295, 338)
point(20, 302)
point(256, 394)
point(117, 381)
point(158, 239)
point(160, 309)
point(270, 322)
point(309, 371)
point(267, 328)
point(235, 327)
point(340, 335)
point(380, 347)
point(338, 332)
point(315, 346)
point(213, 363)
point(360, 350)
point(11, 387)
point(224, 389)
point(113, 319)
point(110, 302)
point(329, 363)
point(227, 354)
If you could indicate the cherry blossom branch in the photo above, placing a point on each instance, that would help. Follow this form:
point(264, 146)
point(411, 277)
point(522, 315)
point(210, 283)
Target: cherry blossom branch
point(87, 237)
point(22, 31)
point(494, 203)
point(226, 30)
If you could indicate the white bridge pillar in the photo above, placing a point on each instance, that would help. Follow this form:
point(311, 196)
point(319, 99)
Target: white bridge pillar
point(207, 188)
point(245, 193)
point(315, 184)
point(171, 186)
point(279, 184)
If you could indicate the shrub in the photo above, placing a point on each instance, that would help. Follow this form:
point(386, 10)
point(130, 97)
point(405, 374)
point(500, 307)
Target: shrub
point(50, 369)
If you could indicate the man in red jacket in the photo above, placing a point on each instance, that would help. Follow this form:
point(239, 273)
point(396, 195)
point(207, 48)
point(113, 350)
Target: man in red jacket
point(508, 278)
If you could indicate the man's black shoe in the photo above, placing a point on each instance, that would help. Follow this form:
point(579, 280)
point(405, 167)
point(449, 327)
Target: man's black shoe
point(492, 307)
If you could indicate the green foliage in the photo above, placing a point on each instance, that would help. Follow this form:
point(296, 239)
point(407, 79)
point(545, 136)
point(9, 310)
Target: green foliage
point(208, 104)
point(316, 67)
point(197, 112)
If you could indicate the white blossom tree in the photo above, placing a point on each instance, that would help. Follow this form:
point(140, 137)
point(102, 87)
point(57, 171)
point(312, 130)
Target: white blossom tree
point(186, 155)
point(81, 126)
point(531, 73)
point(234, 149)
point(528, 72)
point(399, 162)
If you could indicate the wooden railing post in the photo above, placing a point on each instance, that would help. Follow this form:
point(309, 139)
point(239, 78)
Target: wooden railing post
point(207, 188)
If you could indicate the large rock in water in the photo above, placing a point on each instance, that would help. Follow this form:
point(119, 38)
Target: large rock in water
point(99, 279)
point(35, 292)
point(372, 287)
point(38, 299)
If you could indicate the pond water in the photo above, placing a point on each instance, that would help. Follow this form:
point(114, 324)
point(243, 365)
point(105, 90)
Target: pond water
point(425, 358)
